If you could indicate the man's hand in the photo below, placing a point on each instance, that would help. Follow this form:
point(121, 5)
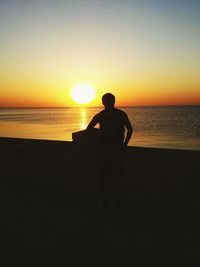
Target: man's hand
point(125, 145)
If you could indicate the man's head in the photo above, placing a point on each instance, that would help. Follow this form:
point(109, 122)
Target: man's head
point(108, 100)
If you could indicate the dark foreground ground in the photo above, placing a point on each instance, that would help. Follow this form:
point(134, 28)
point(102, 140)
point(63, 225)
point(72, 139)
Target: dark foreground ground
point(34, 217)
point(70, 227)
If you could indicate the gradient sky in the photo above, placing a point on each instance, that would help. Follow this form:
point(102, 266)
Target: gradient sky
point(146, 52)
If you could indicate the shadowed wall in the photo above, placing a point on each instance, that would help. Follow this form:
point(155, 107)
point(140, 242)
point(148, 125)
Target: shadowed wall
point(74, 166)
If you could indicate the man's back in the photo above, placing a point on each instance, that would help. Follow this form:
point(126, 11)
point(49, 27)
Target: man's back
point(112, 124)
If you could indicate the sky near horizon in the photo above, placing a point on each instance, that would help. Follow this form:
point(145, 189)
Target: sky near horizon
point(146, 52)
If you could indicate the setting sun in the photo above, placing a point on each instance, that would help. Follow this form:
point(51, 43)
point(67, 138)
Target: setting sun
point(83, 93)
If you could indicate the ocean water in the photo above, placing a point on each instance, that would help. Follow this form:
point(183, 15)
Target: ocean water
point(176, 127)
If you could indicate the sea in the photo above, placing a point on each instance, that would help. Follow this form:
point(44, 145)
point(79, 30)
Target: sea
point(174, 127)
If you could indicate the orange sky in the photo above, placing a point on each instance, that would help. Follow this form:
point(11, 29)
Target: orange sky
point(144, 53)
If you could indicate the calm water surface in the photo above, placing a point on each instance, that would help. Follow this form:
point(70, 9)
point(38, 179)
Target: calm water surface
point(163, 127)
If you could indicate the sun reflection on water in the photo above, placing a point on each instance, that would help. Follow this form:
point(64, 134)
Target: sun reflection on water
point(83, 123)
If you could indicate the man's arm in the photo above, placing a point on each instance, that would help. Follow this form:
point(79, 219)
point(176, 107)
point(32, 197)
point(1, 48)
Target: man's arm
point(129, 130)
point(93, 122)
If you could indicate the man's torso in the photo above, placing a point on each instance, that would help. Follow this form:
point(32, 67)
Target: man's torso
point(112, 125)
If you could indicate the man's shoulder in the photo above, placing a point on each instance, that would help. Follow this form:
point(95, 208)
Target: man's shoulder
point(99, 114)
point(120, 112)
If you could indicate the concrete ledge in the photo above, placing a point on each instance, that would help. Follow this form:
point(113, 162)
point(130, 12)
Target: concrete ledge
point(149, 175)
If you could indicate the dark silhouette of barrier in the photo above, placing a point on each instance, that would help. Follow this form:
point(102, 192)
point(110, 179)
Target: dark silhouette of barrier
point(48, 188)
point(72, 166)
point(84, 137)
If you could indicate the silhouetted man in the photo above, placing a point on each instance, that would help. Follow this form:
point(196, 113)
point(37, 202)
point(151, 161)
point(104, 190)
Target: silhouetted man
point(113, 138)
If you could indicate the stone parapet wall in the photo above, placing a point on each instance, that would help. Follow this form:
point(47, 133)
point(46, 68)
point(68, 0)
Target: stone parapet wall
point(74, 166)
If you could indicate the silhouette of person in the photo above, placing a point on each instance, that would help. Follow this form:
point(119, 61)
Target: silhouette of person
point(113, 138)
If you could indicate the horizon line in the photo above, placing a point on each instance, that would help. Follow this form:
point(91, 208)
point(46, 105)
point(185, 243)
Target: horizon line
point(124, 106)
